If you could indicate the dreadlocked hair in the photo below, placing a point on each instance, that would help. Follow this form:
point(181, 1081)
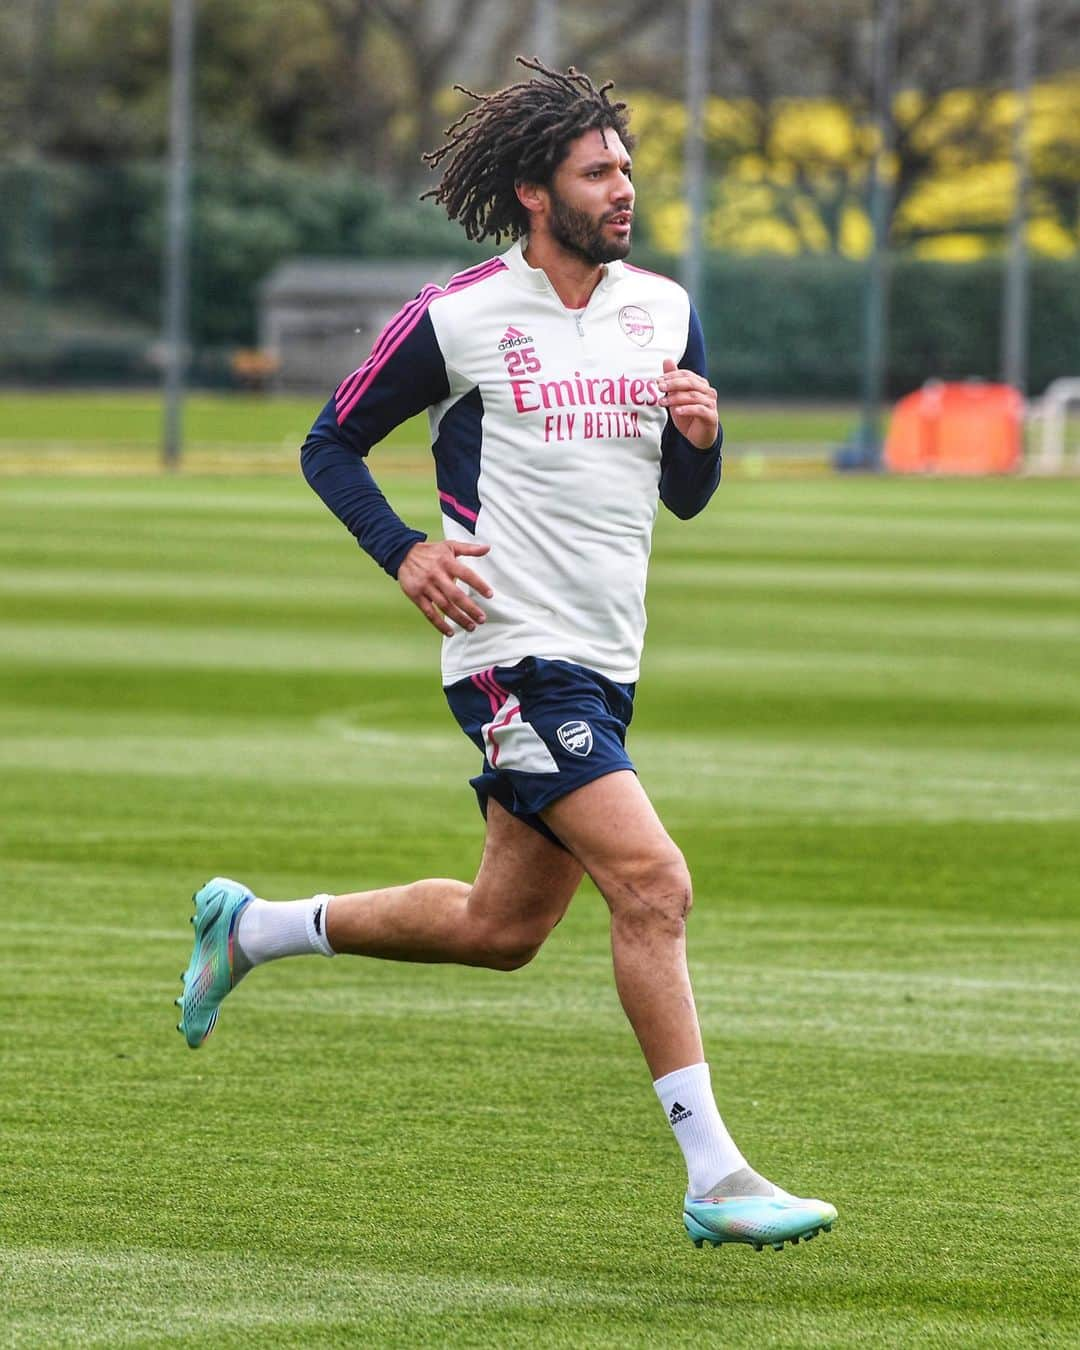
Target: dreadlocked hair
point(517, 135)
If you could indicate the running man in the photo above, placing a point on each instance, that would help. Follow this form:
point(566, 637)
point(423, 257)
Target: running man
point(567, 395)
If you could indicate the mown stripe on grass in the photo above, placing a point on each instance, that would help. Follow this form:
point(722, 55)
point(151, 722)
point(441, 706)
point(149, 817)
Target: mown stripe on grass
point(106, 1296)
point(739, 778)
point(215, 648)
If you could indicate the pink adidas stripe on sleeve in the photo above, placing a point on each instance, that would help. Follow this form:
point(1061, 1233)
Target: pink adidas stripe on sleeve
point(353, 388)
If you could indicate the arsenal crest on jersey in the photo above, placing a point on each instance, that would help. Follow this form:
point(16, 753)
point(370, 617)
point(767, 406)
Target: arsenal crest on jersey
point(637, 324)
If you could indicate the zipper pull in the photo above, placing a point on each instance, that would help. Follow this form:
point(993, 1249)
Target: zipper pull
point(580, 325)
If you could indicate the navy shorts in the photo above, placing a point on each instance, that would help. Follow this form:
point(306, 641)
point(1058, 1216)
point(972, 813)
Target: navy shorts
point(545, 728)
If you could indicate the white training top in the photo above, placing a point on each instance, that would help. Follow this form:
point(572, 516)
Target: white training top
point(550, 445)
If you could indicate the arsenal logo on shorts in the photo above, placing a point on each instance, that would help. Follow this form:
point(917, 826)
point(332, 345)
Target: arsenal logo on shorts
point(575, 737)
point(637, 324)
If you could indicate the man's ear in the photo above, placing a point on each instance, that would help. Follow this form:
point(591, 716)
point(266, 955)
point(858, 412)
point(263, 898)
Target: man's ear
point(532, 196)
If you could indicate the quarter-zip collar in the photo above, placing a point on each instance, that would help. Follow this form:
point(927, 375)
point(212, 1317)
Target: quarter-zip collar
point(536, 279)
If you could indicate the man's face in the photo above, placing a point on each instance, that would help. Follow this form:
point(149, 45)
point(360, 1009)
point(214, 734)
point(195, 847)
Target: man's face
point(591, 199)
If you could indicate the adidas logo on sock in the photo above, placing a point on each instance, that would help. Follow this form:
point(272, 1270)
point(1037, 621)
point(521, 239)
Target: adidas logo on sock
point(679, 1112)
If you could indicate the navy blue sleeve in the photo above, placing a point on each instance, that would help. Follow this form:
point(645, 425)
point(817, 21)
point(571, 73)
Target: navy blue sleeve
point(689, 476)
point(404, 374)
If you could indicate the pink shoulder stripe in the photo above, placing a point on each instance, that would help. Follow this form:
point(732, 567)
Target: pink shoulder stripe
point(420, 300)
point(385, 338)
point(645, 271)
point(403, 320)
point(354, 386)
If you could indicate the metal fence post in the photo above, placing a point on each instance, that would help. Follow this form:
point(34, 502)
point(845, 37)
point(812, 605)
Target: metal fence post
point(697, 74)
point(179, 220)
point(1014, 322)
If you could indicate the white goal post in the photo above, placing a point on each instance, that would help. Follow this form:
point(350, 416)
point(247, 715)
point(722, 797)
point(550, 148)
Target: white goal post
point(1052, 413)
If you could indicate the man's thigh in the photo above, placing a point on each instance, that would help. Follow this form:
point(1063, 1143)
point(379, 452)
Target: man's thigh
point(612, 829)
point(523, 875)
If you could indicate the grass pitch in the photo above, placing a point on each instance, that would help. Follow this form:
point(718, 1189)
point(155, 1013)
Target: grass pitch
point(859, 716)
point(73, 431)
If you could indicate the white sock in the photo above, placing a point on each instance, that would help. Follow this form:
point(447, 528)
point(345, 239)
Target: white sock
point(269, 929)
point(710, 1152)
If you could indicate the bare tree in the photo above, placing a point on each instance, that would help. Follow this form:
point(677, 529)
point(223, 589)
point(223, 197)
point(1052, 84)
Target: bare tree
point(432, 38)
point(366, 84)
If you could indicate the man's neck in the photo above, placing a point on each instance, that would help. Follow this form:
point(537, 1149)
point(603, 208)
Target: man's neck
point(573, 279)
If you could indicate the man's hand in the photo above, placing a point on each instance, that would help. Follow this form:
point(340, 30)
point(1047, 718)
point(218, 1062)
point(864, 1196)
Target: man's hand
point(429, 577)
point(691, 403)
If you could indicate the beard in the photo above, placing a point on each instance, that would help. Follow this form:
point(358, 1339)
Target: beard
point(582, 234)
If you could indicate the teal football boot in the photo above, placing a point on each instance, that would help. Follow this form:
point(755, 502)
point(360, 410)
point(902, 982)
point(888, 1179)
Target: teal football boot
point(211, 972)
point(760, 1220)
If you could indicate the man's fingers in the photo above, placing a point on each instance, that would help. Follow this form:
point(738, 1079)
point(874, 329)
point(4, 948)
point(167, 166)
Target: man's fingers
point(448, 597)
point(461, 616)
point(443, 588)
point(429, 611)
point(691, 401)
point(470, 578)
point(430, 577)
point(692, 406)
point(456, 605)
point(677, 383)
point(684, 392)
point(442, 613)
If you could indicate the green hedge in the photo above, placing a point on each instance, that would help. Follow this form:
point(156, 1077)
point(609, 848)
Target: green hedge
point(89, 240)
point(78, 241)
point(793, 326)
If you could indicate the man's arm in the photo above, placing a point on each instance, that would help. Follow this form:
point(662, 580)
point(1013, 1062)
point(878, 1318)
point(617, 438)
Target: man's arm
point(404, 374)
point(690, 447)
point(367, 405)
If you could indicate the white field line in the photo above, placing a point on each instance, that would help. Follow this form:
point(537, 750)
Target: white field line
point(355, 647)
point(734, 981)
point(964, 1021)
point(85, 584)
point(843, 577)
point(897, 779)
point(187, 536)
point(165, 497)
point(864, 522)
point(896, 784)
point(759, 1009)
point(223, 647)
point(1032, 984)
point(871, 577)
point(193, 1292)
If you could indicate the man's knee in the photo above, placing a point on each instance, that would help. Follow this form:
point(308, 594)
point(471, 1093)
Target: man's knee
point(509, 946)
point(653, 892)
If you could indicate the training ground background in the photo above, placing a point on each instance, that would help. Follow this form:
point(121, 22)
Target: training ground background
point(858, 716)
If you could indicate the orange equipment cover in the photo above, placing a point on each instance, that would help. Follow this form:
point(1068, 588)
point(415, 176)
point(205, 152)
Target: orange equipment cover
point(966, 427)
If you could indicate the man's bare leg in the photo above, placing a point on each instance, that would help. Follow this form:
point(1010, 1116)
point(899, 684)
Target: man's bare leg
point(611, 827)
point(613, 830)
point(521, 891)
